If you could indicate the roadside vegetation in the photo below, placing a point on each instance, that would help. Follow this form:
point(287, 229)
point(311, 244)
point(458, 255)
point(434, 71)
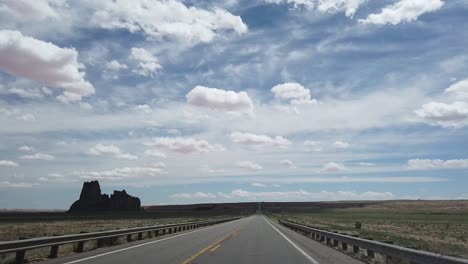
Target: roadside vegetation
point(436, 226)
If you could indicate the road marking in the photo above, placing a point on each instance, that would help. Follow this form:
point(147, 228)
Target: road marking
point(215, 248)
point(199, 253)
point(312, 260)
point(140, 245)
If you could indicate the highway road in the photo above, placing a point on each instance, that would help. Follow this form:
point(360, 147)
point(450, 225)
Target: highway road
point(253, 239)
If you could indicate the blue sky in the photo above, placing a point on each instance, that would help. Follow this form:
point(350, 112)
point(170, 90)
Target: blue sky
point(202, 101)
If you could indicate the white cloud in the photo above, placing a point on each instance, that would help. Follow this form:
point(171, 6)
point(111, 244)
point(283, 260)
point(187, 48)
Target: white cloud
point(29, 93)
point(366, 164)
point(218, 99)
point(434, 164)
point(111, 150)
point(445, 115)
point(114, 65)
point(258, 184)
point(333, 167)
point(184, 145)
point(299, 195)
point(259, 140)
point(25, 148)
point(7, 184)
point(37, 9)
point(196, 195)
point(147, 63)
point(313, 145)
point(122, 173)
point(143, 108)
point(8, 163)
point(55, 178)
point(295, 93)
point(38, 156)
point(341, 144)
point(403, 11)
point(287, 163)
point(166, 19)
point(459, 89)
point(249, 165)
point(348, 6)
point(155, 154)
point(44, 62)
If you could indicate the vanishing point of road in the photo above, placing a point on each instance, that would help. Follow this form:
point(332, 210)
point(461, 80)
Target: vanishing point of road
point(254, 239)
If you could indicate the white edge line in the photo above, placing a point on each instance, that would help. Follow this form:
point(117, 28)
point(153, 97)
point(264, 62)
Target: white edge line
point(312, 260)
point(139, 245)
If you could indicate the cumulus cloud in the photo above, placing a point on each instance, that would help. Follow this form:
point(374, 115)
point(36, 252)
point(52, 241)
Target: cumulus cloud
point(110, 150)
point(29, 93)
point(167, 19)
point(38, 156)
point(348, 6)
point(249, 165)
point(288, 163)
point(44, 62)
point(341, 144)
point(184, 145)
point(219, 99)
point(333, 167)
point(434, 164)
point(459, 89)
point(114, 65)
point(299, 195)
point(25, 148)
point(147, 63)
point(445, 115)
point(36, 10)
point(250, 139)
point(122, 173)
point(295, 93)
point(155, 154)
point(403, 11)
point(8, 163)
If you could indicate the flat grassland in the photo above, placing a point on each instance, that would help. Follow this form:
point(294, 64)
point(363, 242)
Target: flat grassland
point(436, 226)
point(14, 226)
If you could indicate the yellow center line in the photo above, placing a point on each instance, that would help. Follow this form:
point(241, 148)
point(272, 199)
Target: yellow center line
point(215, 245)
point(215, 248)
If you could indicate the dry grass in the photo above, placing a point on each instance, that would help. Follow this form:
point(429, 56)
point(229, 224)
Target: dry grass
point(18, 227)
point(436, 226)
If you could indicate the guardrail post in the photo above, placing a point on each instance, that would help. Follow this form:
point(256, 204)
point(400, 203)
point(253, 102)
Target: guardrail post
point(54, 251)
point(328, 241)
point(140, 236)
point(169, 231)
point(163, 231)
point(344, 246)
point(149, 234)
point(129, 238)
point(100, 243)
point(79, 247)
point(335, 243)
point(355, 249)
point(156, 233)
point(370, 253)
point(20, 257)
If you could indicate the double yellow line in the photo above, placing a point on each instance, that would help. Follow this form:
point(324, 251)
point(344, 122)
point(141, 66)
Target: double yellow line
point(211, 247)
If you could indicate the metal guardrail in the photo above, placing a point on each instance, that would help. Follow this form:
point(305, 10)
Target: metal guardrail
point(21, 246)
point(390, 251)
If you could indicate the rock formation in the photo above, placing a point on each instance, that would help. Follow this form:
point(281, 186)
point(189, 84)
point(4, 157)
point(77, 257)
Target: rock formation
point(91, 200)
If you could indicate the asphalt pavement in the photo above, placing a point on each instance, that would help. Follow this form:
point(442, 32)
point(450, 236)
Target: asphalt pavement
point(253, 239)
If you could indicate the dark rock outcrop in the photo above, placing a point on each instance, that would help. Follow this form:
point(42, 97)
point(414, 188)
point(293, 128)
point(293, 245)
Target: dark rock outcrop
point(92, 200)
